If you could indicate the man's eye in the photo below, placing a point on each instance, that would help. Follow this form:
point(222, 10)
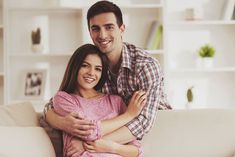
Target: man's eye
point(94, 29)
point(109, 27)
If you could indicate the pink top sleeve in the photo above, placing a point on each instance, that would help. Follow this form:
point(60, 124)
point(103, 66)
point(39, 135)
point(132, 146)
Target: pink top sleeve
point(65, 103)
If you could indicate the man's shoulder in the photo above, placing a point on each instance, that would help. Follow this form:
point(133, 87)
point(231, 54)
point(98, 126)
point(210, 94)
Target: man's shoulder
point(140, 59)
point(139, 54)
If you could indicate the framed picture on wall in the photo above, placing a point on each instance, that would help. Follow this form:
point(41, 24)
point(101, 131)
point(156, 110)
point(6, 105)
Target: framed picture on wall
point(34, 81)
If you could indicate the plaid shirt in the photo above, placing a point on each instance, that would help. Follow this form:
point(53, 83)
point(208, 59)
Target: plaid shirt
point(138, 71)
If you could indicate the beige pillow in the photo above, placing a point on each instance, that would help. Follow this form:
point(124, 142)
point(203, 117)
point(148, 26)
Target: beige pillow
point(25, 142)
point(21, 114)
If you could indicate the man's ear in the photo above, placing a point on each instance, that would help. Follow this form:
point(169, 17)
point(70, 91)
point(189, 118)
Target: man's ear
point(122, 28)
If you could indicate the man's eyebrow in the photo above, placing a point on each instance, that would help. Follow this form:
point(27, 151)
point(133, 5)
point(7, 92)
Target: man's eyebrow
point(107, 24)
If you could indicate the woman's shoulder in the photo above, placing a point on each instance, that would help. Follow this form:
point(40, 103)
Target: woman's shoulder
point(61, 95)
point(114, 98)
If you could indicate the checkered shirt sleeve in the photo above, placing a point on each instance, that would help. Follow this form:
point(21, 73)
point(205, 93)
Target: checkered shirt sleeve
point(47, 107)
point(150, 79)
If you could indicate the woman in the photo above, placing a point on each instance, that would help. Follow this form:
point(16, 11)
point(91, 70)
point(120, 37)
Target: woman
point(79, 92)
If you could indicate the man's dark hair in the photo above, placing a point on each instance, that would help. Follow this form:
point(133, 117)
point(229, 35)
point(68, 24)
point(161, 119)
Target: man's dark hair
point(104, 7)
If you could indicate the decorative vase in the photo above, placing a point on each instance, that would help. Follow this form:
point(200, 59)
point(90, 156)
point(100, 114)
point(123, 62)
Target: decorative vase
point(189, 105)
point(37, 48)
point(208, 62)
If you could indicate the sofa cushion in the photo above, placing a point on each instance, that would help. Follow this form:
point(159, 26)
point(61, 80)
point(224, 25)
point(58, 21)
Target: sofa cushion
point(192, 133)
point(21, 114)
point(25, 142)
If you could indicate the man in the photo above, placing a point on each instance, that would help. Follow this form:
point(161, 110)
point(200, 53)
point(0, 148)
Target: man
point(130, 70)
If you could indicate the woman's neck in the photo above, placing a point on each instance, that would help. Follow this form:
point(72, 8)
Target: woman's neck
point(88, 94)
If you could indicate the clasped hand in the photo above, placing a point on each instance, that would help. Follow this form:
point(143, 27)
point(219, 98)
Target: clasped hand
point(76, 125)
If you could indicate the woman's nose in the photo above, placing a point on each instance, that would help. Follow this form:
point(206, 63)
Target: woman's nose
point(91, 71)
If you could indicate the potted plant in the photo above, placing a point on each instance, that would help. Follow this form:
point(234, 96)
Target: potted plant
point(206, 52)
point(189, 97)
point(36, 40)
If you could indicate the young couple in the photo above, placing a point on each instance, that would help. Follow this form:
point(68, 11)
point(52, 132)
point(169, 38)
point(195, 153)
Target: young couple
point(80, 110)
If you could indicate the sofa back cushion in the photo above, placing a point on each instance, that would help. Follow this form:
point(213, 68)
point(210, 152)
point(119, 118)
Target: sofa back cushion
point(20, 133)
point(25, 142)
point(20, 114)
point(192, 133)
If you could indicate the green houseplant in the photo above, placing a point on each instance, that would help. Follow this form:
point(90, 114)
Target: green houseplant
point(206, 53)
point(36, 40)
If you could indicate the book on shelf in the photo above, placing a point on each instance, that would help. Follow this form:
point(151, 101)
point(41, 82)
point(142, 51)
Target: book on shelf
point(154, 37)
point(228, 10)
point(233, 18)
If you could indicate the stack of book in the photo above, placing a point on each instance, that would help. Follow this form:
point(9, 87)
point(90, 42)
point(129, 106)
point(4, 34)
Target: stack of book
point(229, 10)
point(154, 37)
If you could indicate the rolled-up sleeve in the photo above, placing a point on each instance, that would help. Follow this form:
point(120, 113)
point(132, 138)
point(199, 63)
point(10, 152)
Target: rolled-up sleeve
point(150, 80)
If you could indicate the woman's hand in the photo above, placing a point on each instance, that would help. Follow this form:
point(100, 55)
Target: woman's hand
point(75, 148)
point(136, 104)
point(100, 146)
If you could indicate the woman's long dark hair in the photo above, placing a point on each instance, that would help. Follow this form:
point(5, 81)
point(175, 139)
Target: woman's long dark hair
point(69, 82)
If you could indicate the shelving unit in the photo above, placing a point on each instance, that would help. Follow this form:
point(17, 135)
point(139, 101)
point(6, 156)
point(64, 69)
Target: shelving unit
point(2, 55)
point(213, 87)
point(67, 27)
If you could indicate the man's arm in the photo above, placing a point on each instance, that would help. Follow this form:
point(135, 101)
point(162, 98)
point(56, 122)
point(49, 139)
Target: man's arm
point(150, 79)
point(71, 123)
point(79, 127)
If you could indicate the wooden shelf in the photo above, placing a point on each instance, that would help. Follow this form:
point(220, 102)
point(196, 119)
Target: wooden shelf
point(222, 69)
point(203, 22)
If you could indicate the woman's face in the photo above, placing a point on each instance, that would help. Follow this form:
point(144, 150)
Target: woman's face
point(90, 72)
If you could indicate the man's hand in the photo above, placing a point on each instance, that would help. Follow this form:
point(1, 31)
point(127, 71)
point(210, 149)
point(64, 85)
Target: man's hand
point(100, 146)
point(75, 148)
point(76, 125)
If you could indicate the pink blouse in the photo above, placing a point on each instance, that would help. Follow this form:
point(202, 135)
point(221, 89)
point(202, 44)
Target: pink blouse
point(98, 109)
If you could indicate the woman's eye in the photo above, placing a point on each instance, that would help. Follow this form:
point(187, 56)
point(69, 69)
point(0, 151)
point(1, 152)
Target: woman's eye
point(98, 69)
point(84, 65)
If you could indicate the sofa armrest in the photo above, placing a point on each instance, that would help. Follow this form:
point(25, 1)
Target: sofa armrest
point(54, 134)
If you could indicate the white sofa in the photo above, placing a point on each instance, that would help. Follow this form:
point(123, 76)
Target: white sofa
point(177, 133)
point(192, 133)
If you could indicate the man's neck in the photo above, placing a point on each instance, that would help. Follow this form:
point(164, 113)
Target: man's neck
point(114, 62)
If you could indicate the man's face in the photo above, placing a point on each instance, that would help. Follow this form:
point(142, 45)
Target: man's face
point(105, 32)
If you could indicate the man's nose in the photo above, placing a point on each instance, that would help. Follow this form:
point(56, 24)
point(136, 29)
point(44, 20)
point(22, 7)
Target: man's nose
point(103, 34)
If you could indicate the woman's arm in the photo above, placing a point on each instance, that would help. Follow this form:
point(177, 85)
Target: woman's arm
point(135, 106)
point(107, 146)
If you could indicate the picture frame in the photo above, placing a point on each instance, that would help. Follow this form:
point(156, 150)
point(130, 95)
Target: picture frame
point(34, 81)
